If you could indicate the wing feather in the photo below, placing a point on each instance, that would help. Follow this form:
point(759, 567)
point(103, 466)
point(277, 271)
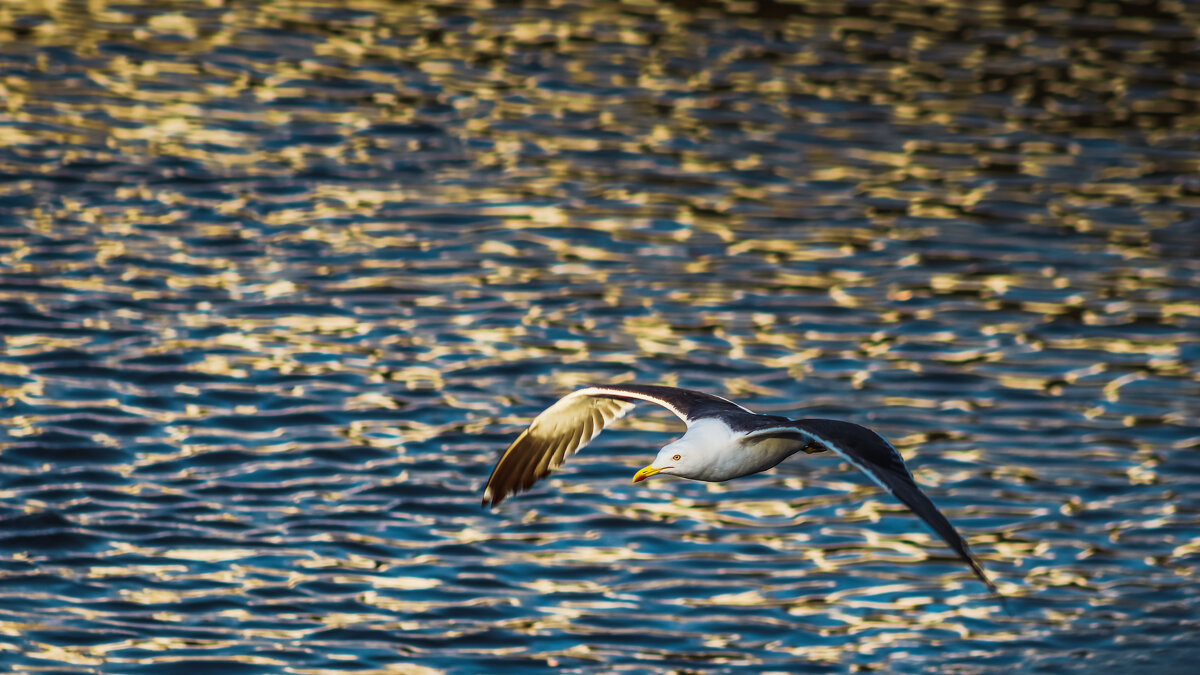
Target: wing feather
point(560, 430)
point(571, 423)
point(874, 456)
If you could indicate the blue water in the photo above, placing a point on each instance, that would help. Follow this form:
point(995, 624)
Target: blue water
point(279, 281)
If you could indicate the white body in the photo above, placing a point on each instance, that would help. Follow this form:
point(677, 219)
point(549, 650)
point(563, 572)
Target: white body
point(711, 451)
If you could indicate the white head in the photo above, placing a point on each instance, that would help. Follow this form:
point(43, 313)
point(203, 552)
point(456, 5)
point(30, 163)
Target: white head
point(697, 455)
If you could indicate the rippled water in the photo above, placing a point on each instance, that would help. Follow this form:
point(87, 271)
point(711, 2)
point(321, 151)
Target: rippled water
point(279, 280)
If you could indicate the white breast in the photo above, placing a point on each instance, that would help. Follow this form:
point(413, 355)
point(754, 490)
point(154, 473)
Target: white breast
point(725, 454)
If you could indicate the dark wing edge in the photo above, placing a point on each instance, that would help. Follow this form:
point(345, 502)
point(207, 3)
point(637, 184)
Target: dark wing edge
point(687, 404)
point(874, 456)
point(568, 426)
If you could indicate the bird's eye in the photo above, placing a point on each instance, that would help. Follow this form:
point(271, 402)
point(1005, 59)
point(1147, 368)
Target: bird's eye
point(676, 458)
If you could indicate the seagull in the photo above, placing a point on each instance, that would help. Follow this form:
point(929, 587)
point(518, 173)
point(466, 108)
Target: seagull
point(723, 441)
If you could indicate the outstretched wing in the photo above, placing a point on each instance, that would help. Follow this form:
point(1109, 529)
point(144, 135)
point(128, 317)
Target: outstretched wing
point(874, 456)
point(574, 421)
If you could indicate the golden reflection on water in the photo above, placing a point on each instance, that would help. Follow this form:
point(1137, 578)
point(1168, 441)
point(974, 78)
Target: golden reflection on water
point(399, 232)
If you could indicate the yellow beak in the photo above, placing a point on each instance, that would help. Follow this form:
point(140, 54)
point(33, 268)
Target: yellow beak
point(646, 473)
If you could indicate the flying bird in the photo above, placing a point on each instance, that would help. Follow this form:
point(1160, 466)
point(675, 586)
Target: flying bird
point(723, 441)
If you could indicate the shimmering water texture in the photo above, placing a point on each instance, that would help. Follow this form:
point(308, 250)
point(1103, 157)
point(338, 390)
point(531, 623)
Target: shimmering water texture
point(279, 280)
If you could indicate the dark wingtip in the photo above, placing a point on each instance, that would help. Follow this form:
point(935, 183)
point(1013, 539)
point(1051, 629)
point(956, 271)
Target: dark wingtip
point(978, 570)
point(1004, 604)
point(999, 597)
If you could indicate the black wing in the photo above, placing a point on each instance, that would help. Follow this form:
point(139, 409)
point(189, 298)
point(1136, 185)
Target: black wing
point(874, 456)
point(577, 418)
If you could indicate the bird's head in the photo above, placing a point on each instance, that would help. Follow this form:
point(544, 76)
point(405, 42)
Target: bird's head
point(703, 453)
point(677, 459)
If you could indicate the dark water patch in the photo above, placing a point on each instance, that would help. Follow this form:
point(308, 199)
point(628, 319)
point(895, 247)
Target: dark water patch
point(267, 422)
point(48, 532)
point(63, 451)
point(47, 584)
point(198, 666)
point(73, 638)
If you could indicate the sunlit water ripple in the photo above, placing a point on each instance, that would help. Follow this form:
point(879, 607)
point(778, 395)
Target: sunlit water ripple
point(279, 280)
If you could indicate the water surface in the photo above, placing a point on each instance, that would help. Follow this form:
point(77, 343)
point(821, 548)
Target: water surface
point(279, 280)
